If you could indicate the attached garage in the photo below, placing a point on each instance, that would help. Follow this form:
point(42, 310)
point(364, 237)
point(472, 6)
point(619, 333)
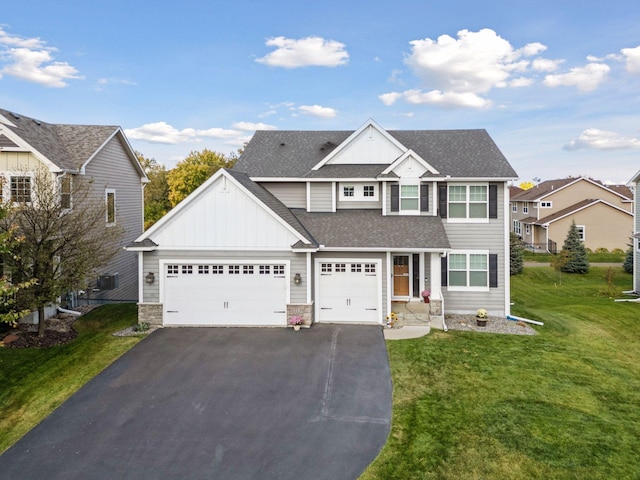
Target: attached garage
point(219, 293)
point(349, 291)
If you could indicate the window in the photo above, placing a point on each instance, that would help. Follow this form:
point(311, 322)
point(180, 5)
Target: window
point(341, 267)
point(409, 198)
point(203, 269)
point(527, 229)
point(172, 270)
point(468, 270)
point(217, 269)
point(546, 204)
point(581, 231)
point(348, 191)
point(468, 201)
point(265, 269)
point(369, 191)
point(514, 207)
point(525, 208)
point(358, 192)
point(356, 267)
point(21, 189)
point(369, 268)
point(278, 269)
point(110, 197)
point(187, 269)
point(234, 269)
point(517, 227)
point(247, 269)
point(65, 191)
point(325, 268)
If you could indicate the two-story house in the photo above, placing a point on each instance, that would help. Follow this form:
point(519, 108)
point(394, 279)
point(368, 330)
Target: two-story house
point(603, 214)
point(101, 153)
point(335, 226)
point(634, 183)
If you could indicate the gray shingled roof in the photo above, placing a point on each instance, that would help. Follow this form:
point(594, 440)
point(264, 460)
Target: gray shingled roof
point(458, 153)
point(270, 201)
point(67, 146)
point(370, 229)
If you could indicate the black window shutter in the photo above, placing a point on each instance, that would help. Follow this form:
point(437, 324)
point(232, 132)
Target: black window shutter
point(493, 270)
point(443, 271)
point(395, 198)
point(442, 200)
point(493, 201)
point(424, 197)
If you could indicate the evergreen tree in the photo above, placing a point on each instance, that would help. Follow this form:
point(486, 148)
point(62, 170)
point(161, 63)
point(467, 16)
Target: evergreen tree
point(516, 251)
point(577, 260)
point(628, 260)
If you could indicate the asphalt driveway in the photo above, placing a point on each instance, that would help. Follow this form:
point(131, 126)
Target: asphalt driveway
point(222, 403)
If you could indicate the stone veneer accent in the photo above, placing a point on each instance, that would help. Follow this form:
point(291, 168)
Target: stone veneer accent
point(436, 314)
point(305, 310)
point(150, 313)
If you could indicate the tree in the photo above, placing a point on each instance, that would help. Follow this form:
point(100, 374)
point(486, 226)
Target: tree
point(65, 239)
point(526, 185)
point(516, 252)
point(156, 192)
point(577, 260)
point(628, 260)
point(193, 171)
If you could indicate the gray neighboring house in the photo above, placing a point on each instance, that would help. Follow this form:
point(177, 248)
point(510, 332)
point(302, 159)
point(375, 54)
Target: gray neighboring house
point(335, 226)
point(634, 184)
point(99, 152)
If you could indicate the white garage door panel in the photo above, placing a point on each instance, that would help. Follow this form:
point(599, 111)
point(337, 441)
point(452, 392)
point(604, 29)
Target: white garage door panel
point(247, 297)
point(349, 292)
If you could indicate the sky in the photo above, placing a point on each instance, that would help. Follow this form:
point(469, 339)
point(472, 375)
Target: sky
point(555, 84)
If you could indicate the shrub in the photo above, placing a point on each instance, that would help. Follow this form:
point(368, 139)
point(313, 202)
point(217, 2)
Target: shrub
point(628, 261)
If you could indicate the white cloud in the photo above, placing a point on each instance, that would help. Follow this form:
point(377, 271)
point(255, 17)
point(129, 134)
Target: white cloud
point(102, 83)
point(545, 65)
point(585, 78)
point(318, 111)
point(250, 126)
point(310, 51)
point(632, 56)
point(460, 72)
point(162, 132)
point(595, 139)
point(32, 60)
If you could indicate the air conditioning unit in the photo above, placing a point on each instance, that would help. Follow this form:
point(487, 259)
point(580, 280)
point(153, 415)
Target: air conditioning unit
point(108, 281)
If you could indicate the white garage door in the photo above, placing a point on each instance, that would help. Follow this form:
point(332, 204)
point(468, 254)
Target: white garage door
point(349, 292)
point(225, 294)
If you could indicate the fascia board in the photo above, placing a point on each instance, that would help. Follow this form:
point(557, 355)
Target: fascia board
point(24, 146)
point(404, 156)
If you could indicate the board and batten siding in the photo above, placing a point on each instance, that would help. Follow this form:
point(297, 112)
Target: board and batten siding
point(112, 168)
point(292, 194)
point(298, 264)
point(479, 236)
point(320, 197)
point(18, 162)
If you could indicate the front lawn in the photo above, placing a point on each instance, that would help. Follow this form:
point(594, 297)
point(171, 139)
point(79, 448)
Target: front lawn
point(558, 405)
point(33, 382)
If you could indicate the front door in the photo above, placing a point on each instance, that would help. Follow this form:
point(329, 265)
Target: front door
point(401, 275)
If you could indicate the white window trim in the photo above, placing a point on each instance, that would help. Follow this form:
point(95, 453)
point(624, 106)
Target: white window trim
point(457, 288)
point(61, 178)
point(408, 183)
point(514, 207)
point(527, 229)
point(546, 204)
point(467, 219)
point(584, 232)
point(525, 207)
point(358, 192)
point(517, 227)
point(6, 187)
point(108, 191)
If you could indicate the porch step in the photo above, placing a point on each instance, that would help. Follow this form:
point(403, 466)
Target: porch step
point(412, 313)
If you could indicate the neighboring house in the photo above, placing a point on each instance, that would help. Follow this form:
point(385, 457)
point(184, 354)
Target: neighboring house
point(635, 185)
point(542, 215)
point(335, 226)
point(101, 153)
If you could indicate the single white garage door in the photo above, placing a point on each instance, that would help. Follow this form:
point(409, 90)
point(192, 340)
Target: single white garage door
point(349, 292)
point(225, 294)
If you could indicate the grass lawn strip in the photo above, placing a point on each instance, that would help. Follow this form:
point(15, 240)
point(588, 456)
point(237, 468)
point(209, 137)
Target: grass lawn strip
point(34, 382)
point(557, 405)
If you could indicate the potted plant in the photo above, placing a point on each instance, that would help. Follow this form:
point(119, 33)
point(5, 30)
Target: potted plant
point(392, 319)
point(425, 295)
point(295, 321)
point(481, 317)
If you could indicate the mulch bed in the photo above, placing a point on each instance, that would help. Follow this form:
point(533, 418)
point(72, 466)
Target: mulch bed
point(58, 331)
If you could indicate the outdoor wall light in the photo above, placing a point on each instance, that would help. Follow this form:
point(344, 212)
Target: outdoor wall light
point(149, 278)
point(297, 279)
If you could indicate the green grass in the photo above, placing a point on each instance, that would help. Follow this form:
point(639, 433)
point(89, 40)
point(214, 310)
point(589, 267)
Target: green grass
point(563, 404)
point(608, 257)
point(33, 382)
